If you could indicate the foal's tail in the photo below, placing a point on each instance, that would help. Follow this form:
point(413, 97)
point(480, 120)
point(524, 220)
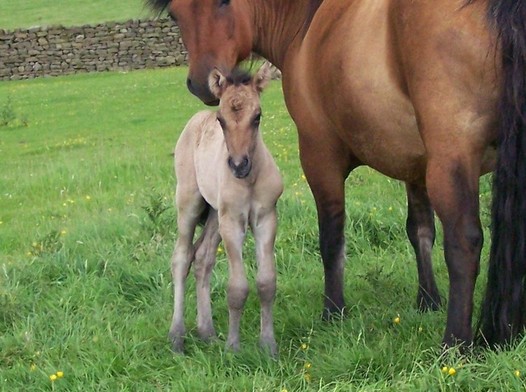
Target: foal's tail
point(503, 313)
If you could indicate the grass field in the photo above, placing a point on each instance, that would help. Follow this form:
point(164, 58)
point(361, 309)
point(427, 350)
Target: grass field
point(87, 227)
point(26, 13)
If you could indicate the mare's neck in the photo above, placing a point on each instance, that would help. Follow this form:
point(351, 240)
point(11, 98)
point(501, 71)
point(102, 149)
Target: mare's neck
point(279, 25)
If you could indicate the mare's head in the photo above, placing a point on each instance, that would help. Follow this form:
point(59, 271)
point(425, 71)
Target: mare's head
point(217, 34)
point(239, 113)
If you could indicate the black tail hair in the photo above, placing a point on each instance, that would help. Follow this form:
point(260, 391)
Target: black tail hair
point(503, 313)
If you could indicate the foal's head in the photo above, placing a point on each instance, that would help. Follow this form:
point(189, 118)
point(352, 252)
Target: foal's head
point(239, 113)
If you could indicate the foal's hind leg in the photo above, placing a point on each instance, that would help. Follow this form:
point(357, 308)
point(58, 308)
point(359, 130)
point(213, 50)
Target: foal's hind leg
point(421, 232)
point(264, 229)
point(190, 206)
point(205, 258)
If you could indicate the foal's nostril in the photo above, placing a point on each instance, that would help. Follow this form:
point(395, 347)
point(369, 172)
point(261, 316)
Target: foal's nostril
point(241, 169)
point(189, 84)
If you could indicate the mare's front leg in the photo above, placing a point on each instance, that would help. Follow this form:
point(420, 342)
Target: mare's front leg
point(205, 258)
point(327, 163)
point(232, 227)
point(190, 205)
point(420, 227)
point(264, 228)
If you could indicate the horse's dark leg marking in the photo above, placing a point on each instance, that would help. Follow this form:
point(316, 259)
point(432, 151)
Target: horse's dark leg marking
point(454, 195)
point(420, 227)
point(326, 165)
point(331, 218)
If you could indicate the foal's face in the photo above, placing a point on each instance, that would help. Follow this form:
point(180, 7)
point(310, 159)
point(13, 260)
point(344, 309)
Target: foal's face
point(217, 34)
point(239, 115)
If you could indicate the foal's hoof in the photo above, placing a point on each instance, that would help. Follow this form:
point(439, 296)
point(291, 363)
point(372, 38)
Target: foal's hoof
point(177, 343)
point(269, 346)
point(207, 335)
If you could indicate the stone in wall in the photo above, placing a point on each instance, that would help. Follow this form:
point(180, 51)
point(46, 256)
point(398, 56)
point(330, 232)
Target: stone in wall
point(57, 50)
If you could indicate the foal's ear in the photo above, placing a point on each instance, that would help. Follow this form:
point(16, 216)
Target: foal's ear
point(263, 76)
point(217, 82)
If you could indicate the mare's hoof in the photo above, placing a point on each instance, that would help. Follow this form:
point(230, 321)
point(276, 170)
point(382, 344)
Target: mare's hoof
point(333, 313)
point(428, 302)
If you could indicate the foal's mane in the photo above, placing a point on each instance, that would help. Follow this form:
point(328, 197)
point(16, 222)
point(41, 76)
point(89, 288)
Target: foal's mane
point(239, 77)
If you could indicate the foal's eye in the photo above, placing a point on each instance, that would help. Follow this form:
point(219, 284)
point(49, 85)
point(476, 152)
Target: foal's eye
point(223, 3)
point(256, 120)
point(221, 122)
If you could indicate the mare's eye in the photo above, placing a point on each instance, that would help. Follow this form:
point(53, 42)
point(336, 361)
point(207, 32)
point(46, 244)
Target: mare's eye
point(256, 120)
point(223, 3)
point(172, 16)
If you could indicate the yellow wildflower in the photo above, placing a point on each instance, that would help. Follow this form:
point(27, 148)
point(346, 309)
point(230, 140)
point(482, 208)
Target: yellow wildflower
point(307, 365)
point(53, 377)
point(452, 371)
point(517, 373)
point(304, 346)
point(396, 320)
point(445, 369)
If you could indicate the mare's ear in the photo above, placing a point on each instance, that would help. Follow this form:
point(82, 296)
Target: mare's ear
point(217, 83)
point(263, 76)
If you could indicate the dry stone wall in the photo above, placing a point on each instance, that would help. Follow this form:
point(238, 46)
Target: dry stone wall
point(52, 51)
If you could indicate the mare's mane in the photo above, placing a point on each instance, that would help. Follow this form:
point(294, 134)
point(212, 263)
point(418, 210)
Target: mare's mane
point(159, 5)
point(312, 7)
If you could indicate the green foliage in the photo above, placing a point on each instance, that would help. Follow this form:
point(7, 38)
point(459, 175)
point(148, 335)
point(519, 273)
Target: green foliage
point(9, 117)
point(27, 13)
point(87, 228)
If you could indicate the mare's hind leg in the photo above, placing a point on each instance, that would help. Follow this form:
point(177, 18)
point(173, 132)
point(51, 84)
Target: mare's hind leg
point(190, 206)
point(453, 189)
point(420, 229)
point(205, 258)
point(264, 229)
point(327, 163)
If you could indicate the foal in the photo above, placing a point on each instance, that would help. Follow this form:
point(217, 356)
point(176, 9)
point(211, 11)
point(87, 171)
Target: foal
point(226, 175)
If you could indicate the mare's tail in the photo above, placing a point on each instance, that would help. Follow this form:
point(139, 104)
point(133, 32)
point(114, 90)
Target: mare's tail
point(503, 313)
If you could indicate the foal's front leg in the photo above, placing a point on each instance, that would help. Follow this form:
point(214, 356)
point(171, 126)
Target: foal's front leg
point(232, 230)
point(264, 229)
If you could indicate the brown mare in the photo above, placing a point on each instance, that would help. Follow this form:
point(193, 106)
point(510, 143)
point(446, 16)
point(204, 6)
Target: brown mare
point(426, 92)
point(226, 174)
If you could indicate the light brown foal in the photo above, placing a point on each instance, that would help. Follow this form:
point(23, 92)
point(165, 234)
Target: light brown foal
point(224, 171)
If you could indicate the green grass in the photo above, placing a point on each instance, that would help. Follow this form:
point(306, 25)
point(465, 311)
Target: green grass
point(27, 13)
point(87, 227)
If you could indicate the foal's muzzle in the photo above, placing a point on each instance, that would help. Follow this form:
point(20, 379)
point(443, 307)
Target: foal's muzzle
point(240, 169)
